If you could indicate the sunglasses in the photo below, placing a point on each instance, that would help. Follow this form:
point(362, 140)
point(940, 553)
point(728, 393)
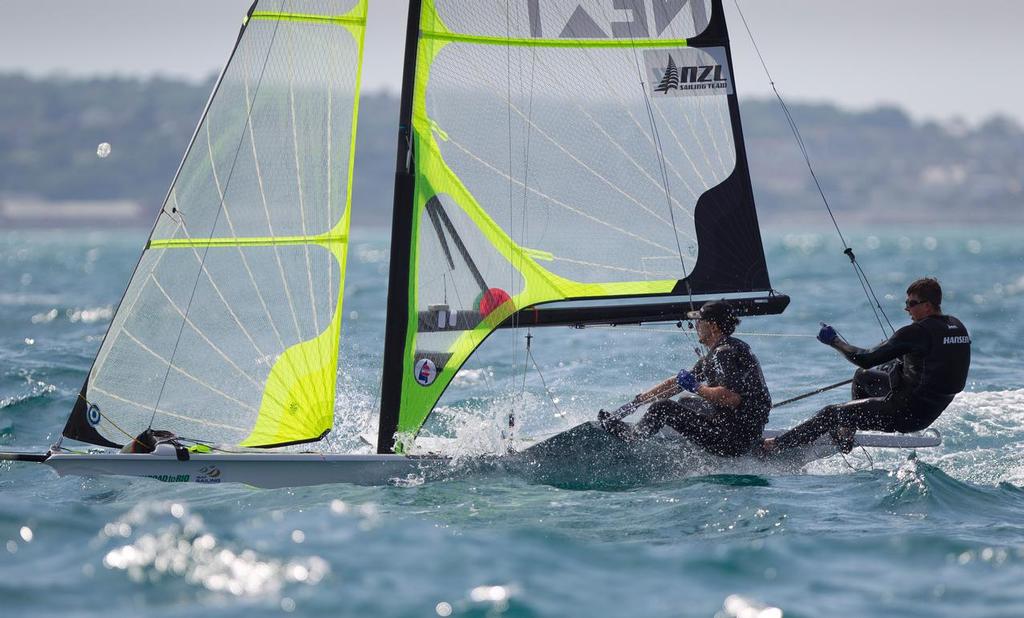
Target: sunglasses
point(913, 303)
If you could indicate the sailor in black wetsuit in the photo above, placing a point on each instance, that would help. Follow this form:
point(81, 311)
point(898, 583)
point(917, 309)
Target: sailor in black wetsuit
point(731, 408)
point(935, 353)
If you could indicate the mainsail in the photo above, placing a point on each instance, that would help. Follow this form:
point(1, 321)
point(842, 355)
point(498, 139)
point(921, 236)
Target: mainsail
point(558, 150)
point(228, 331)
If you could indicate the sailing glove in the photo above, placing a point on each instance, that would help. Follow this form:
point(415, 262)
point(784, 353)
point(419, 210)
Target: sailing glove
point(687, 381)
point(827, 334)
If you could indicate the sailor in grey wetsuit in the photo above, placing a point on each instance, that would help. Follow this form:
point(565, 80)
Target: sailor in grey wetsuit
point(935, 353)
point(731, 408)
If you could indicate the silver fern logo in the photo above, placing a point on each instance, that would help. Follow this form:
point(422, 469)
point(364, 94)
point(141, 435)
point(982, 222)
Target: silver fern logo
point(699, 77)
point(688, 72)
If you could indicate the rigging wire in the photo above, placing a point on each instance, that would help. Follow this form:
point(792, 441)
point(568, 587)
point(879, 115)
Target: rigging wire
point(527, 133)
point(651, 329)
point(862, 277)
point(662, 165)
point(544, 383)
point(663, 169)
point(511, 214)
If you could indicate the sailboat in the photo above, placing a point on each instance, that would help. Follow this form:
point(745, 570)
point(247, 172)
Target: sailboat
point(563, 162)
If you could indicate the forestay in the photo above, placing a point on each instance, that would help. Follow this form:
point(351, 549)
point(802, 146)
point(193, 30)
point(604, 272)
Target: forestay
point(229, 328)
point(562, 150)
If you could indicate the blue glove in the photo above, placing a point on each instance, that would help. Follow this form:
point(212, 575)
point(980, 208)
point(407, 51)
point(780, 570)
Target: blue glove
point(686, 381)
point(827, 334)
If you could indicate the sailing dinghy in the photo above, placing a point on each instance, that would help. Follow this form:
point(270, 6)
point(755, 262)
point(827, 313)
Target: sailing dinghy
point(559, 163)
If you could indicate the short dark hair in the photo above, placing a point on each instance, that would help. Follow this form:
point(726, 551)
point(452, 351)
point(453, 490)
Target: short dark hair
point(927, 289)
point(721, 314)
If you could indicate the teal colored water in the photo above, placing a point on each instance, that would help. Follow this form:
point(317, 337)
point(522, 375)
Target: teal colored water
point(941, 534)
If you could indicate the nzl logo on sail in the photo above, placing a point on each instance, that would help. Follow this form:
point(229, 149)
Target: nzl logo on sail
point(619, 19)
point(691, 77)
point(688, 71)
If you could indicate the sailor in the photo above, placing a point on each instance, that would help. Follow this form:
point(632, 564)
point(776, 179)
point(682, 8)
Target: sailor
point(932, 356)
point(731, 403)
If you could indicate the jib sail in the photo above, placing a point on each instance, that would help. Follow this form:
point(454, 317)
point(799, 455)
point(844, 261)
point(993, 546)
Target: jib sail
point(229, 328)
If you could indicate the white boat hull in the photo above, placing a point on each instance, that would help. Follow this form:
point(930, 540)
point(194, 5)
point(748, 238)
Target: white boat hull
point(583, 456)
point(259, 470)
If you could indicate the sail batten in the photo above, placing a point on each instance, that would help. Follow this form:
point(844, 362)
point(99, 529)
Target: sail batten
point(231, 241)
point(306, 17)
point(230, 327)
point(452, 37)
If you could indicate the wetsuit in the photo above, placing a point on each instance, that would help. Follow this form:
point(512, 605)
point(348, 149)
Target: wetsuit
point(719, 429)
point(934, 355)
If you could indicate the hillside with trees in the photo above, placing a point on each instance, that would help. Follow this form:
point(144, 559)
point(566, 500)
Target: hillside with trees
point(875, 166)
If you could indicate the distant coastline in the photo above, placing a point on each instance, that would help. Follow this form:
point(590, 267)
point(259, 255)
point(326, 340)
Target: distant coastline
point(876, 167)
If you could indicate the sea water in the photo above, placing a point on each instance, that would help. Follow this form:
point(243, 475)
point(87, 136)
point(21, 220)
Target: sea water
point(936, 533)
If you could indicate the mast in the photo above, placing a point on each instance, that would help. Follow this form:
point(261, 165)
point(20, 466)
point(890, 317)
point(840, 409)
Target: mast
point(401, 241)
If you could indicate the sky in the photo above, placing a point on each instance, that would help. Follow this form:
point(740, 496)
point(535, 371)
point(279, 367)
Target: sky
point(938, 59)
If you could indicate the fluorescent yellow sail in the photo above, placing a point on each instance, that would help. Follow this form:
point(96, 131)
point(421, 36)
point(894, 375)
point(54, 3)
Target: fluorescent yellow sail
point(229, 329)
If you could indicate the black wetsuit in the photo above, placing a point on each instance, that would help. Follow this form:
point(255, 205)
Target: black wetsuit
point(934, 353)
point(719, 429)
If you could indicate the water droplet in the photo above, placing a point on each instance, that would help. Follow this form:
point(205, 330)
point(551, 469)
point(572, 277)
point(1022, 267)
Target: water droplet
point(177, 510)
point(299, 573)
point(493, 594)
point(288, 604)
point(443, 609)
point(26, 534)
point(103, 150)
point(298, 536)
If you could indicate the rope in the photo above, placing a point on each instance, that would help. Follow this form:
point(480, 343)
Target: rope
point(547, 391)
point(871, 462)
point(862, 277)
point(808, 394)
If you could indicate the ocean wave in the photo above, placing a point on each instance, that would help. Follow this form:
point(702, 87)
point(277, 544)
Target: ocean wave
point(983, 437)
point(925, 490)
point(985, 414)
point(39, 392)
